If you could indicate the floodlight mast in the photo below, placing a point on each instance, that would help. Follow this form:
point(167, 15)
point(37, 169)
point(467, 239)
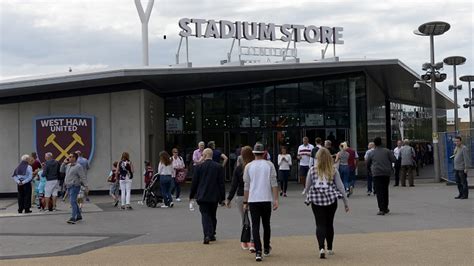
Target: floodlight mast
point(455, 61)
point(144, 18)
point(431, 29)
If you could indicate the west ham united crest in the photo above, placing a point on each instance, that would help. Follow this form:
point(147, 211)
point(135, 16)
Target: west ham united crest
point(62, 135)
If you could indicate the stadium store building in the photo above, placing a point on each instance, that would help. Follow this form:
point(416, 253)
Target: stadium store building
point(146, 110)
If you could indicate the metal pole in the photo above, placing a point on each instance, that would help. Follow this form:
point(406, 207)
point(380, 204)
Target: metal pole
point(187, 52)
point(456, 125)
point(470, 108)
point(144, 18)
point(434, 118)
point(145, 44)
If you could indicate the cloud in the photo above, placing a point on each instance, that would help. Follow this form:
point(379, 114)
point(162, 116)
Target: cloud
point(49, 36)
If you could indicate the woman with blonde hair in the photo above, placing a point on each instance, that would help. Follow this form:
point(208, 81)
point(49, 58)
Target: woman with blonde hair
point(237, 185)
point(342, 158)
point(325, 188)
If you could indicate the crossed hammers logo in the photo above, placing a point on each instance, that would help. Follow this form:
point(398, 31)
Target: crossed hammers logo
point(64, 152)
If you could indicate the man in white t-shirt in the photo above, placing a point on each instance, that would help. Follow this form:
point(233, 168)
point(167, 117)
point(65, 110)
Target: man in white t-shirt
point(260, 190)
point(304, 155)
point(398, 164)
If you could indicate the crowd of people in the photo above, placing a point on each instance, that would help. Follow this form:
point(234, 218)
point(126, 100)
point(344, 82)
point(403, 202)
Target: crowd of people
point(327, 175)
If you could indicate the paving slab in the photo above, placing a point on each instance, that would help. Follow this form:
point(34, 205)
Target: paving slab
point(426, 247)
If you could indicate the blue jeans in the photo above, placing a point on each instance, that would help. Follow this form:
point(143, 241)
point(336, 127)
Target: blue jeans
point(344, 171)
point(369, 182)
point(176, 187)
point(73, 192)
point(352, 178)
point(165, 183)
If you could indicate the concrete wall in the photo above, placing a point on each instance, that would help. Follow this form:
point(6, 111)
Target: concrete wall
point(154, 119)
point(9, 145)
point(120, 117)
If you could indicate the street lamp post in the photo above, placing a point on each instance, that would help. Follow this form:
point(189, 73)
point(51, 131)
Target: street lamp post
point(469, 79)
point(431, 29)
point(455, 61)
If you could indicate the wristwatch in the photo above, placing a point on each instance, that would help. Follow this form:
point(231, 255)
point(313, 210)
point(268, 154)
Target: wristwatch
point(245, 202)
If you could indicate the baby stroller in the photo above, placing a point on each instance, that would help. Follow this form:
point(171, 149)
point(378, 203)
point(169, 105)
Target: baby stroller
point(152, 193)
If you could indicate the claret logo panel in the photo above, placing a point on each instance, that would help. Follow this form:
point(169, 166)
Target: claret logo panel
point(62, 135)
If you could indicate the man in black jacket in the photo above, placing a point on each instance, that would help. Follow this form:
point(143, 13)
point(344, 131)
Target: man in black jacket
point(208, 190)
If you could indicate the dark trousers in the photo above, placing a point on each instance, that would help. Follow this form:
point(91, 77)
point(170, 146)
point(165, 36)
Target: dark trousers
point(407, 170)
point(398, 165)
point(461, 181)
point(208, 218)
point(381, 186)
point(284, 174)
point(324, 216)
point(24, 197)
point(261, 211)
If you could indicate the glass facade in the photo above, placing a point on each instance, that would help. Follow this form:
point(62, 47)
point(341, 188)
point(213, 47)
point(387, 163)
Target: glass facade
point(413, 122)
point(276, 114)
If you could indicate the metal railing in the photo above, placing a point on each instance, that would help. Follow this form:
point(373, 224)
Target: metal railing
point(446, 151)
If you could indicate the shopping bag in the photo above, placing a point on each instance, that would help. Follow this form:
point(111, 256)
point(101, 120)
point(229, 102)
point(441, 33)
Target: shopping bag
point(181, 175)
point(245, 236)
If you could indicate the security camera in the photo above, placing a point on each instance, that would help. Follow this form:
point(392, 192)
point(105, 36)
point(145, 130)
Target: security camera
point(416, 86)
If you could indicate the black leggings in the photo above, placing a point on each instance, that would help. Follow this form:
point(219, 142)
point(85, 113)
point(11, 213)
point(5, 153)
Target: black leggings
point(324, 216)
point(263, 211)
point(284, 174)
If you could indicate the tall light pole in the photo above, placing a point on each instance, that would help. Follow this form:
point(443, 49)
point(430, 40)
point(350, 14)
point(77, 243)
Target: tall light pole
point(469, 79)
point(432, 29)
point(455, 61)
point(144, 18)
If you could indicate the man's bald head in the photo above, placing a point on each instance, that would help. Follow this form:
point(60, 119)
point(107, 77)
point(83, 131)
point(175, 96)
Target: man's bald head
point(207, 153)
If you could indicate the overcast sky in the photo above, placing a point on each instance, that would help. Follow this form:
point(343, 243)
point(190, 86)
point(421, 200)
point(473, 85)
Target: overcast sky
point(49, 36)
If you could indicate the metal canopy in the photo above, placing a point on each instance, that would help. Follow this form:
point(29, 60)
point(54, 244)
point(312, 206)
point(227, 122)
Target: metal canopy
point(393, 77)
point(454, 60)
point(467, 78)
point(433, 28)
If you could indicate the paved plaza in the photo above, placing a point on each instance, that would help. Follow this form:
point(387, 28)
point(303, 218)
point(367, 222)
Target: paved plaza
point(426, 226)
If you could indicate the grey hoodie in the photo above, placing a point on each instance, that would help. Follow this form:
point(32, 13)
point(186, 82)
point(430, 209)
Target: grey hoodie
point(380, 162)
point(75, 175)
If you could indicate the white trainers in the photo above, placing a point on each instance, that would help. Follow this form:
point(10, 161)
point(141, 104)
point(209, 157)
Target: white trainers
point(330, 252)
point(322, 254)
point(303, 192)
point(178, 199)
point(164, 206)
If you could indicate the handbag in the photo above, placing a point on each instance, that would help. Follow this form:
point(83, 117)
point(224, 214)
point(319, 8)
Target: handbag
point(181, 175)
point(245, 236)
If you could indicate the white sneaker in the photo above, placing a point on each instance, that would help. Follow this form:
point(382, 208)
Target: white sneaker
point(322, 254)
point(171, 204)
point(164, 206)
point(178, 199)
point(330, 252)
point(304, 192)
